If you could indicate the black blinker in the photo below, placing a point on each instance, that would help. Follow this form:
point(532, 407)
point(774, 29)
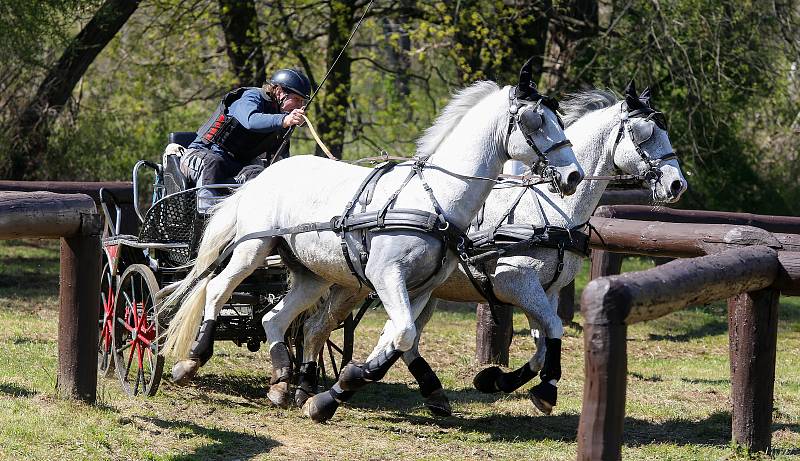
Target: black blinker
point(530, 120)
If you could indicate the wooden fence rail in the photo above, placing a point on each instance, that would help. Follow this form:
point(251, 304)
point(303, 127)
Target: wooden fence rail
point(746, 276)
point(785, 228)
point(73, 218)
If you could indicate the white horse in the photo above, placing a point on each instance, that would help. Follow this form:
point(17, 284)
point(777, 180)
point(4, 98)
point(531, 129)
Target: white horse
point(466, 147)
point(608, 136)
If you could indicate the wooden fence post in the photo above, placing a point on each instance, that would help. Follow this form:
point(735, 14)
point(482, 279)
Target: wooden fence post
point(79, 312)
point(752, 328)
point(605, 263)
point(493, 339)
point(604, 308)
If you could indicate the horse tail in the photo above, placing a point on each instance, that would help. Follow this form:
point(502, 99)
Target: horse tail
point(191, 292)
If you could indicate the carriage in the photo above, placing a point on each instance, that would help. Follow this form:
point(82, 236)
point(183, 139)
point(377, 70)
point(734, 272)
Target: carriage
point(139, 270)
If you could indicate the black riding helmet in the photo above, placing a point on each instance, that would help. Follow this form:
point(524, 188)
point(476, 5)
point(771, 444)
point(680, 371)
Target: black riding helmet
point(294, 81)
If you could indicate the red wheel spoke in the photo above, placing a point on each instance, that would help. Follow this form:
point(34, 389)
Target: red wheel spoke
point(134, 331)
point(125, 324)
point(140, 356)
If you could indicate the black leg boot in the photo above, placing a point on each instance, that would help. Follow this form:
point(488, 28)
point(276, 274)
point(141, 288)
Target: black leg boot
point(322, 407)
point(430, 387)
point(201, 351)
point(279, 392)
point(544, 395)
point(513, 380)
point(307, 381)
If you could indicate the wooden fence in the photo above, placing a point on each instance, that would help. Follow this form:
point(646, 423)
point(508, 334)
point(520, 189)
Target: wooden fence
point(747, 265)
point(74, 219)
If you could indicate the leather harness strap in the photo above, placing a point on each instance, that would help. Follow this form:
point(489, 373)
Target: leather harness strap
point(375, 221)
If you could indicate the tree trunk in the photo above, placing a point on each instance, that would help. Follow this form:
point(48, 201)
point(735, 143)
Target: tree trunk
point(29, 142)
point(335, 101)
point(242, 41)
point(571, 21)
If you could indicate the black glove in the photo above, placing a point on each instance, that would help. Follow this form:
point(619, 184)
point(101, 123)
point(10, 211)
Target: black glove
point(247, 173)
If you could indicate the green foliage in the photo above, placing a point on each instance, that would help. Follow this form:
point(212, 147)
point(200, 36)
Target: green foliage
point(713, 72)
point(721, 72)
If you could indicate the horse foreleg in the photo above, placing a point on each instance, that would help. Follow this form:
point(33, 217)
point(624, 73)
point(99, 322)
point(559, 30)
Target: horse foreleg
point(246, 258)
point(545, 394)
point(316, 330)
point(402, 313)
point(305, 290)
point(516, 283)
point(435, 400)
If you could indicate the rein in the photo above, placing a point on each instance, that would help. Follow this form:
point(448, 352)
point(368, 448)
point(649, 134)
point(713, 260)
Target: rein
point(652, 175)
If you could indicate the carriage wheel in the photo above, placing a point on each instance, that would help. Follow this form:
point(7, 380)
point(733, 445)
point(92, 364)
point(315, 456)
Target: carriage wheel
point(105, 357)
point(136, 359)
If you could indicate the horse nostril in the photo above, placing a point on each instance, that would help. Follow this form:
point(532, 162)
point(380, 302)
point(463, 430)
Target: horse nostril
point(574, 178)
point(676, 187)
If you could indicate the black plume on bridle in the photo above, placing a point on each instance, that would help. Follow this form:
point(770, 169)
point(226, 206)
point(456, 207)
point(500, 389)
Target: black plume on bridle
point(526, 89)
point(640, 106)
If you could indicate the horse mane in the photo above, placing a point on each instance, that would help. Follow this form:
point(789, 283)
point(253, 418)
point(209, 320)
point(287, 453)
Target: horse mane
point(576, 105)
point(462, 101)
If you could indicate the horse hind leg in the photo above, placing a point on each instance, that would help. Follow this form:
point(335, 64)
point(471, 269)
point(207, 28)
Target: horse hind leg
point(245, 259)
point(316, 330)
point(434, 397)
point(305, 290)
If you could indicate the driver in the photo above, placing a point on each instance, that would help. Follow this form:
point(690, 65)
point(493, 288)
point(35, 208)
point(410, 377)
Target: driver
point(248, 125)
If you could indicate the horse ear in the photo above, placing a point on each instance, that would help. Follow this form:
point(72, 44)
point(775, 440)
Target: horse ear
point(630, 89)
point(645, 97)
point(632, 102)
point(525, 77)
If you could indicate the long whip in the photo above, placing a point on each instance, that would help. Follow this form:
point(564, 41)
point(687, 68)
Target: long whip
point(324, 79)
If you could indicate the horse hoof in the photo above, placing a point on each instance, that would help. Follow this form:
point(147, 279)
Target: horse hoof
point(279, 395)
point(184, 371)
point(486, 380)
point(301, 396)
point(321, 407)
point(544, 396)
point(438, 403)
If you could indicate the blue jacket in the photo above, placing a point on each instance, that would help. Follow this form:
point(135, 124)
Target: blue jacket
point(246, 124)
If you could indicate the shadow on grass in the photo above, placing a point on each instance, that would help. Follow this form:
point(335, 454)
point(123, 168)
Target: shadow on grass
point(16, 391)
point(712, 328)
point(399, 399)
point(715, 382)
point(25, 340)
point(396, 402)
point(224, 444)
point(246, 387)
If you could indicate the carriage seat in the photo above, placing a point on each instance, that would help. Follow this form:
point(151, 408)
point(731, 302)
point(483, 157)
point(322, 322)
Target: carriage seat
point(174, 180)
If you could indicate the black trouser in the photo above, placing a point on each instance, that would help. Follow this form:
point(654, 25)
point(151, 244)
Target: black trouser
point(204, 167)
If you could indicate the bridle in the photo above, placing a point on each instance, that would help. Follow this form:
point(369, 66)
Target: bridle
point(530, 120)
point(638, 138)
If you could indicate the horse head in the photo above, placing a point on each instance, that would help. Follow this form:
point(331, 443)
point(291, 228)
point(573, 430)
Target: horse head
point(536, 135)
point(643, 146)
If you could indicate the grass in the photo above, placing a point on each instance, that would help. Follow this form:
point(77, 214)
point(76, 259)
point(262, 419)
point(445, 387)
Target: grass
point(677, 402)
